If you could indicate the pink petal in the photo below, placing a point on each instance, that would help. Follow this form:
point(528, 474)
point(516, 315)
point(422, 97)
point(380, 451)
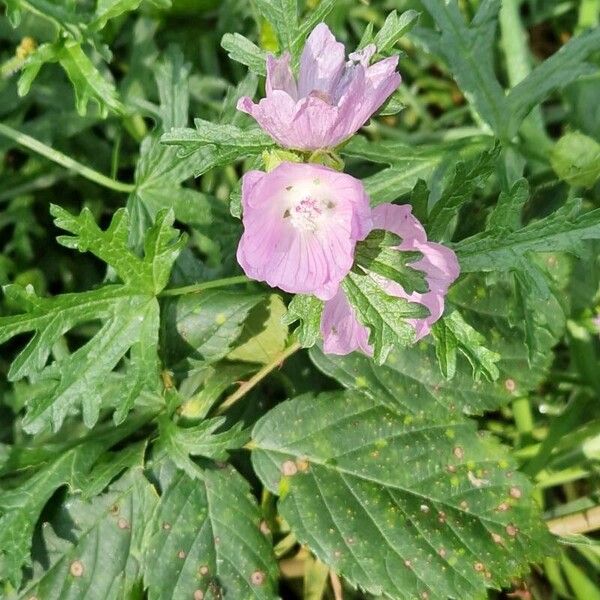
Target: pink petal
point(274, 114)
point(438, 263)
point(280, 76)
point(322, 62)
point(301, 224)
point(312, 124)
point(341, 331)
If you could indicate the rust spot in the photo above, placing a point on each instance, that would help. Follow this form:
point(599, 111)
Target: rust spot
point(502, 507)
point(511, 530)
point(302, 464)
point(479, 567)
point(264, 527)
point(451, 469)
point(123, 523)
point(198, 595)
point(181, 554)
point(464, 505)
point(408, 564)
point(442, 552)
point(76, 569)
point(166, 526)
point(458, 452)
point(114, 509)
point(497, 538)
point(258, 578)
point(289, 468)
point(203, 570)
point(510, 385)
point(442, 516)
point(515, 492)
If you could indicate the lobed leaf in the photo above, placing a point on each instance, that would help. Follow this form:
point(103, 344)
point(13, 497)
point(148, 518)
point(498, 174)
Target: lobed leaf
point(387, 317)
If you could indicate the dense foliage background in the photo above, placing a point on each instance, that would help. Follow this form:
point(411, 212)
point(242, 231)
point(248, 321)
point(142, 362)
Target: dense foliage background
point(147, 448)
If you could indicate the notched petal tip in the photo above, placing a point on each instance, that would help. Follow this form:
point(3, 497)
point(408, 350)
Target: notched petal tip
point(245, 104)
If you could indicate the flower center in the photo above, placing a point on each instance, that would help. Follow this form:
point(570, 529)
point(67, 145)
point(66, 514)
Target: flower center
point(307, 214)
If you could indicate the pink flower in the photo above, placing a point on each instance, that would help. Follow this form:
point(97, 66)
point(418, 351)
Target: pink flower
point(301, 224)
point(332, 98)
point(341, 330)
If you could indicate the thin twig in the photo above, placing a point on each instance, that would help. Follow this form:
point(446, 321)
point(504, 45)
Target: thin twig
point(205, 285)
point(257, 377)
point(580, 522)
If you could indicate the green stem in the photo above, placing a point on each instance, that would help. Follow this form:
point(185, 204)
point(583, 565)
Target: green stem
point(258, 377)
point(65, 161)
point(206, 285)
point(523, 416)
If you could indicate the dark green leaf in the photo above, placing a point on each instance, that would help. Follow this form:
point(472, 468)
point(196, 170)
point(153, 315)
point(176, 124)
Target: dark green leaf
point(387, 317)
point(377, 254)
point(206, 537)
point(454, 520)
point(307, 310)
point(244, 51)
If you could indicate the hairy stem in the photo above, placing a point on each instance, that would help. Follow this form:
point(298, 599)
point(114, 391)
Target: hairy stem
point(205, 285)
point(258, 377)
point(65, 161)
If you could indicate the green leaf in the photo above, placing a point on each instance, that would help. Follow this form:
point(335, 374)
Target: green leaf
point(377, 253)
point(411, 381)
point(307, 310)
point(386, 317)
point(181, 442)
point(242, 50)
point(21, 507)
point(59, 12)
point(575, 158)
point(523, 335)
point(206, 538)
point(109, 9)
point(468, 51)
point(409, 164)
point(500, 250)
point(204, 326)
point(264, 334)
point(310, 21)
point(283, 16)
point(88, 82)
point(95, 545)
point(563, 67)
point(466, 178)
point(455, 520)
point(393, 29)
point(111, 465)
point(129, 317)
point(149, 274)
point(244, 141)
point(452, 333)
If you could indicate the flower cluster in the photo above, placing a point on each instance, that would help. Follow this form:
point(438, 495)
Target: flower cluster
point(302, 221)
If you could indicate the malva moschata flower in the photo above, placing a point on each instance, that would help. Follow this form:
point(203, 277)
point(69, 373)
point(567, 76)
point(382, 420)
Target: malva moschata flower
point(332, 99)
point(301, 224)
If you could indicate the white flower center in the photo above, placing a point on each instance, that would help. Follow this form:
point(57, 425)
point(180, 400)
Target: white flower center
point(307, 206)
